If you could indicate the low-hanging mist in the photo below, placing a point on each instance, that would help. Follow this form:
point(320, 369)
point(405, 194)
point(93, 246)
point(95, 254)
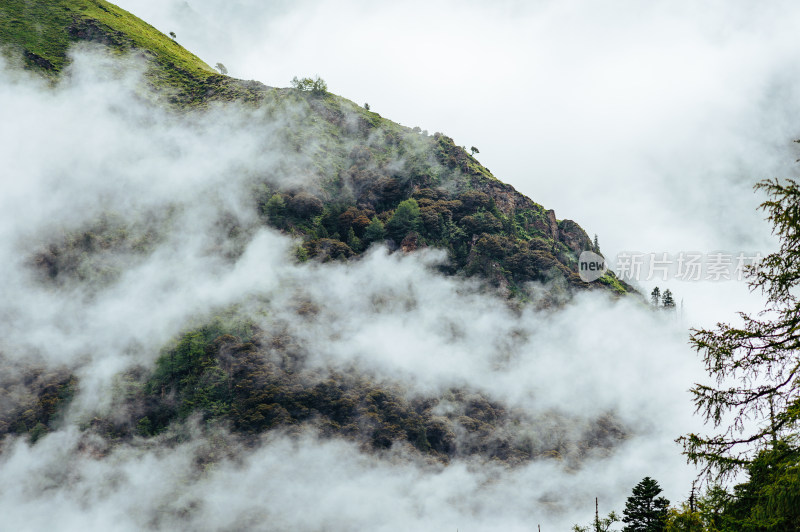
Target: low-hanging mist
point(91, 151)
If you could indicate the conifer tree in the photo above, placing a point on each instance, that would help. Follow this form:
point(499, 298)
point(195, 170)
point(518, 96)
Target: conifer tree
point(406, 218)
point(756, 403)
point(275, 209)
point(375, 231)
point(667, 302)
point(655, 297)
point(644, 510)
point(353, 241)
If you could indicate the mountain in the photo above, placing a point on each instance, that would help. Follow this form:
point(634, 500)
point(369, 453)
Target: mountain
point(344, 179)
point(487, 226)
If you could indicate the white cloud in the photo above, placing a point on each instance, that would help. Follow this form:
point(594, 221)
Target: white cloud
point(300, 483)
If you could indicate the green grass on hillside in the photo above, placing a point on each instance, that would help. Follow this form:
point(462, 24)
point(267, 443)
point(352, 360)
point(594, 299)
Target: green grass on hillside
point(44, 30)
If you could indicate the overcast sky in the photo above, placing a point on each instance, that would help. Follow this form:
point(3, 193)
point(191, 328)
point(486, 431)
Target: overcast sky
point(647, 123)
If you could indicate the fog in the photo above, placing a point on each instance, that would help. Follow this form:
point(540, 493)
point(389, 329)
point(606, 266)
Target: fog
point(673, 166)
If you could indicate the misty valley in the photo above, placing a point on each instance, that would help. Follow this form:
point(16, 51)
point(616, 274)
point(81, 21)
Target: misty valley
point(231, 306)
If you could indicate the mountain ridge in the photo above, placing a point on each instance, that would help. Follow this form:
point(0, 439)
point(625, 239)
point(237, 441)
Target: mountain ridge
point(191, 83)
point(365, 180)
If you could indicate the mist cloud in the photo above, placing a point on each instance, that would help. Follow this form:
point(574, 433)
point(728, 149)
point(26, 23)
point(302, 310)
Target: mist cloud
point(94, 145)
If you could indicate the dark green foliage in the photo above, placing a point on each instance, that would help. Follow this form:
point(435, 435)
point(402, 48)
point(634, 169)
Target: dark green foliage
point(770, 498)
point(535, 265)
point(257, 391)
point(32, 399)
point(304, 205)
point(275, 210)
point(406, 218)
point(481, 222)
point(756, 365)
point(495, 246)
point(144, 427)
point(473, 201)
point(190, 370)
point(644, 510)
point(767, 501)
point(655, 297)
point(326, 249)
point(375, 231)
point(353, 241)
point(231, 373)
point(667, 302)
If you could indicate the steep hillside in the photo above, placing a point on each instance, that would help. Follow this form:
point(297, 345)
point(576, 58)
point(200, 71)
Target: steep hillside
point(488, 227)
point(350, 179)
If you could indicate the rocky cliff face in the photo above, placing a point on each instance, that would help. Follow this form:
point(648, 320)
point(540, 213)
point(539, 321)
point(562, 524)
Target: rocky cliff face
point(573, 236)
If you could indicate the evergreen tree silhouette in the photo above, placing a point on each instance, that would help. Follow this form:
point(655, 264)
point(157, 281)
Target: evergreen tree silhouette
point(644, 510)
point(655, 297)
point(667, 302)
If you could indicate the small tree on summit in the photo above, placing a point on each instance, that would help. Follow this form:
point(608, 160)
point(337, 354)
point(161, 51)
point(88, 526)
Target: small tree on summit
point(644, 510)
point(474, 150)
point(316, 86)
point(222, 69)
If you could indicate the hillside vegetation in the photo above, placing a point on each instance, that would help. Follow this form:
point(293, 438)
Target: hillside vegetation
point(365, 180)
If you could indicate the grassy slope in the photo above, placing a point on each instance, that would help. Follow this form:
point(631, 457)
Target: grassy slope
point(46, 29)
